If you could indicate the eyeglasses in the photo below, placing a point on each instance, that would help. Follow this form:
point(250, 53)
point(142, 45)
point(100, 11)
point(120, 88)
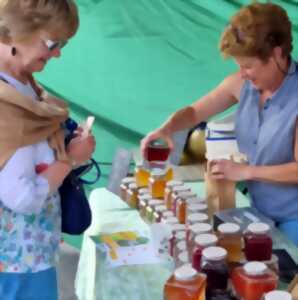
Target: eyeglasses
point(51, 45)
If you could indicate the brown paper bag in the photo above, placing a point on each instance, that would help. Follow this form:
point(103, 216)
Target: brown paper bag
point(220, 194)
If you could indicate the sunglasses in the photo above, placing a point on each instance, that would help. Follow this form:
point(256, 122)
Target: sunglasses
point(52, 45)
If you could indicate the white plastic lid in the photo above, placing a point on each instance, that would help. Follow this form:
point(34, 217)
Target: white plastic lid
point(196, 200)
point(128, 180)
point(255, 268)
point(180, 188)
point(258, 228)
point(132, 186)
point(171, 220)
point(168, 214)
point(221, 126)
point(143, 191)
point(197, 217)
point(173, 183)
point(186, 272)
point(178, 227)
point(278, 295)
point(181, 235)
point(228, 228)
point(201, 228)
point(123, 186)
point(187, 194)
point(181, 246)
point(155, 202)
point(145, 197)
point(183, 257)
point(215, 253)
point(160, 208)
point(157, 172)
point(206, 239)
point(197, 207)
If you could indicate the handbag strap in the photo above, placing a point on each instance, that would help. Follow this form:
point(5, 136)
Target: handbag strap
point(93, 164)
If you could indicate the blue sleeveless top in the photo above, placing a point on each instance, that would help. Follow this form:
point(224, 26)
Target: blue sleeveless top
point(267, 137)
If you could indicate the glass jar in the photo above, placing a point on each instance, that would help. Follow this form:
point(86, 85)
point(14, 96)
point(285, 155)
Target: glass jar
point(142, 176)
point(253, 280)
point(168, 192)
point(278, 295)
point(142, 208)
point(175, 229)
point(258, 242)
point(157, 150)
point(230, 238)
point(202, 241)
point(181, 210)
point(179, 248)
point(165, 215)
point(193, 231)
point(182, 259)
point(151, 208)
point(186, 283)
point(124, 186)
point(174, 195)
point(132, 195)
point(157, 214)
point(157, 183)
point(215, 267)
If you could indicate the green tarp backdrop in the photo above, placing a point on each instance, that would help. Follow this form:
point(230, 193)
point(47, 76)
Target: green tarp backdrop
point(133, 62)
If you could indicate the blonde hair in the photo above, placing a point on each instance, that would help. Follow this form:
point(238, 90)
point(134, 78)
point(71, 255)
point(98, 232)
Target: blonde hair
point(22, 18)
point(256, 30)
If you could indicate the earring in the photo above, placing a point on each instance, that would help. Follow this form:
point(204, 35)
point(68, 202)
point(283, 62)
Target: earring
point(13, 51)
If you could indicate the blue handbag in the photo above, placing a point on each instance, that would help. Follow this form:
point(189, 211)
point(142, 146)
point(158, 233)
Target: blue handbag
point(75, 209)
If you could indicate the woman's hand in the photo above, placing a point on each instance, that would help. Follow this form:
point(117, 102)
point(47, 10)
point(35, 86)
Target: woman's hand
point(80, 150)
point(227, 169)
point(154, 135)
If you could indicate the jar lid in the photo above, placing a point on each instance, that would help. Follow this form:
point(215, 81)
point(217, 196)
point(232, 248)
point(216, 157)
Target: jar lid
point(180, 235)
point(167, 214)
point(278, 295)
point(197, 207)
point(128, 180)
point(198, 228)
point(197, 217)
point(186, 272)
point(196, 200)
point(123, 186)
point(228, 228)
point(160, 208)
point(186, 194)
point(258, 228)
point(214, 253)
point(255, 268)
point(171, 220)
point(132, 186)
point(145, 197)
point(180, 188)
point(143, 191)
point(183, 257)
point(157, 172)
point(155, 202)
point(178, 227)
point(173, 183)
point(182, 246)
point(159, 143)
point(206, 239)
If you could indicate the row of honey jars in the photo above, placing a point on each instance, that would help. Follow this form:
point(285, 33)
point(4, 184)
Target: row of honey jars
point(253, 280)
point(125, 186)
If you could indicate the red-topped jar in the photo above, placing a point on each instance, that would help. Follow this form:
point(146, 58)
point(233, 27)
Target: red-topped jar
point(202, 241)
point(185, 284)
point(215, 267)
point(157, 150)
point(253, 280)
point(258, 242)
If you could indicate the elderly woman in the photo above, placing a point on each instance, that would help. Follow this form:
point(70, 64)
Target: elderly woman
point(33, 158)
point(259, 40)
